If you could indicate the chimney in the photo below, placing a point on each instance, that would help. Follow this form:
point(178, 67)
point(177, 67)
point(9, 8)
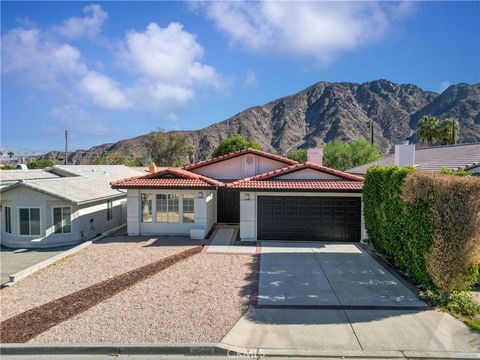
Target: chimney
point(404, 155)
point(315, 155)
point(152, 168)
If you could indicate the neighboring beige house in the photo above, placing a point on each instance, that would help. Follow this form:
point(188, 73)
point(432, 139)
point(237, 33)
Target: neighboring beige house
point(270, 197)
point(61, 205)
point(460, 156)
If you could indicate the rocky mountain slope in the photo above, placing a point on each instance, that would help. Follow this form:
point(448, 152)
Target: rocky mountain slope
point(327, 111)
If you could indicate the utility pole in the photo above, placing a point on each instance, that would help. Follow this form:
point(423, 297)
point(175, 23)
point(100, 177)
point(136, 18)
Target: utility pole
point(66, 148)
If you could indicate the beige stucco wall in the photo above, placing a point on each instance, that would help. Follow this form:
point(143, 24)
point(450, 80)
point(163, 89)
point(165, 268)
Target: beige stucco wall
point(248, 210)
point(308, 174)
point(239, 167)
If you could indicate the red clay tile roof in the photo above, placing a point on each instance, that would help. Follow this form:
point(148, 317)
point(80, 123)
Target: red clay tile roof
point(299, 185)
point(167, 178)
point(301, 166)
point(240, 153)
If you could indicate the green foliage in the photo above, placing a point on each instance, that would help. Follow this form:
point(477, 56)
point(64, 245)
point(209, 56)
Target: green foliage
point(428, 129)
point(459, 172)
point(401, 231)
point(40, 164)
point(458, 303)
point(118, 158)
point(10, 154)
point(341, 155)
point(299, 155)
point(448, 131)
point(168, 149)
point(232, 144)
point(8, 167)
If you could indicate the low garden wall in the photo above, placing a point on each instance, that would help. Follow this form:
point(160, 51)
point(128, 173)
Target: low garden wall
point(427, 224)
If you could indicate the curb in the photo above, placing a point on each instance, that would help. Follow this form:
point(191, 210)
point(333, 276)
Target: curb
point(208, 349)
point(14, 278)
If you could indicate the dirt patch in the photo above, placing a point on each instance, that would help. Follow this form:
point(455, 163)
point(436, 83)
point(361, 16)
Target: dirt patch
point(31, 323)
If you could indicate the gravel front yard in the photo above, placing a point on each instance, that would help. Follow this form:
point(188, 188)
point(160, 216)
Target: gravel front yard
point(196, 300)
point(102, 260)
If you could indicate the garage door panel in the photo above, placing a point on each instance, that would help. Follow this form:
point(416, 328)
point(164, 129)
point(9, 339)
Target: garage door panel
point(308, 218)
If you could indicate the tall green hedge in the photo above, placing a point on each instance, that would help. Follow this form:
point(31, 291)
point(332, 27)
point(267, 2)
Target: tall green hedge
point(401, 231)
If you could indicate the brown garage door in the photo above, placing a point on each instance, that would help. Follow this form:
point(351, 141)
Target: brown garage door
point(308, 218)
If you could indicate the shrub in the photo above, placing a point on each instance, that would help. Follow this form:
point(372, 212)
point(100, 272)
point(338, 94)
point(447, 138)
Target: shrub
point(299, 155)
point(399, 230)
point(459, 172)
point(454, 257)
point(40, 164)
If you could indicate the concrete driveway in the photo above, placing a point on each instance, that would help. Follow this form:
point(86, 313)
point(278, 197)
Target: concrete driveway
point(322, 274)
point(325, 296)
point(15, 260)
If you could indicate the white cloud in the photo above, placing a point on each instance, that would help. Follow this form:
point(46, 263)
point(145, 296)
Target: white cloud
point(444, 85)
point(168, 61)
point(37, 59)
point(90, 25)
point(104, 92)
point(321, 30)
point(165, 63)
point(250, 80)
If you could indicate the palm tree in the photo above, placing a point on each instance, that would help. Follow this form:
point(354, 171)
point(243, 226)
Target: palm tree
point(427, 129)
point(10, 154)
point(448, 131)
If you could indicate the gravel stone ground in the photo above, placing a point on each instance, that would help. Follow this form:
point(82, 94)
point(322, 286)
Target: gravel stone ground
point(197, 300)
point(99, 261)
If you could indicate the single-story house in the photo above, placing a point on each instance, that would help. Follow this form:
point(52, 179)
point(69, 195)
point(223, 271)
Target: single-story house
point(61, 205)
point(270, 197)
point(455, 157)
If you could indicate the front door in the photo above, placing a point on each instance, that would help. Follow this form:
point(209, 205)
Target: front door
point(228, 206)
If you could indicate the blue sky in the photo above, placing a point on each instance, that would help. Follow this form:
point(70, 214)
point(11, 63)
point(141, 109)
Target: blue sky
point(112, 70)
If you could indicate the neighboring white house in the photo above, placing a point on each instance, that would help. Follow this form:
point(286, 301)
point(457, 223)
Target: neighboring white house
point(269, 196)
point(61, 205)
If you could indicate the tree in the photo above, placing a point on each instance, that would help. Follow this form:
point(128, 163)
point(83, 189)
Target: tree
point(232, 144)
point(40, 164)
point(118, 158)
point(168, 149)
point(341, 155)
point(427, 129)
point(299, 155)
point(448, 131)
point(10, 154)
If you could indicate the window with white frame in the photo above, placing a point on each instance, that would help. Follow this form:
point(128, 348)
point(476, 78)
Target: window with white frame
point(146, 210)
point(62, 220)
point(167, 208)
point(188, 208)
point(8, 219)
point(109, 210)
point(29, 221)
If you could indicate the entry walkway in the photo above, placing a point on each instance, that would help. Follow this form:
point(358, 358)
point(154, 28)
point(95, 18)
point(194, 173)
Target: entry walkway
point(223, 241)
point(326, 296)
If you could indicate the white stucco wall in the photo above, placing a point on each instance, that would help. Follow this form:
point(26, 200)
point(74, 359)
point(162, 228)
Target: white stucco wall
point(248, 210)
point(204, 210)
point(27, 198)
point(240, 167)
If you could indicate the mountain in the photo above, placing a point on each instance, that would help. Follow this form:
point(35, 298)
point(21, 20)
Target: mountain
point(323, 112)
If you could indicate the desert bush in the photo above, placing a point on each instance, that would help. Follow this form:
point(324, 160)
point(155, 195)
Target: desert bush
point(454, 256)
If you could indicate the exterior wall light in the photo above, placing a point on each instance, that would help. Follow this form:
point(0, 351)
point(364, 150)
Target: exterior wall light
point(247, 196)
point(200, 194)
